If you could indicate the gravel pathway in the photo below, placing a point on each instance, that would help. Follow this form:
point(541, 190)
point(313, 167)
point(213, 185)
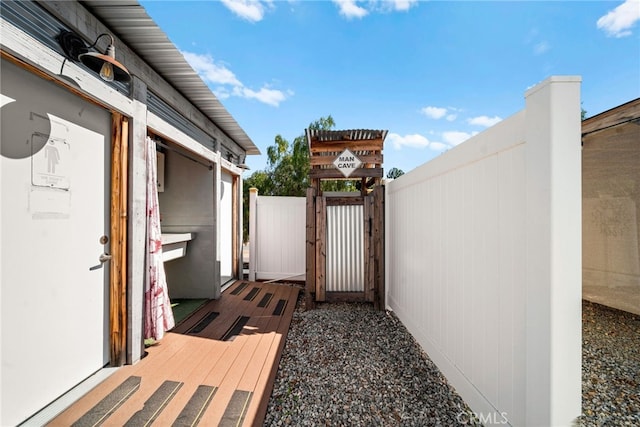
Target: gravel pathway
point(348, 365)
point(610, 367)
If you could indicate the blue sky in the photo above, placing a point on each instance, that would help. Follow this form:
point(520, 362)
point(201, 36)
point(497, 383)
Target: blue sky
point(432, 73)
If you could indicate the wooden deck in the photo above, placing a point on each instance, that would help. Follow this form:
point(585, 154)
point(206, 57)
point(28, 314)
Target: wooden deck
point(215, 368)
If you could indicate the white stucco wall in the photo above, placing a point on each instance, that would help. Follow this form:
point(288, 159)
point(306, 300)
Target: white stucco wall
point(611, 209)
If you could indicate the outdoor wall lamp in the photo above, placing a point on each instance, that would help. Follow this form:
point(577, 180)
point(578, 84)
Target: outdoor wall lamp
point(104, 64)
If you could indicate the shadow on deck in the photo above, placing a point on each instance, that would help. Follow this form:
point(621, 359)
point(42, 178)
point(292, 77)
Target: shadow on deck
point(215, 368)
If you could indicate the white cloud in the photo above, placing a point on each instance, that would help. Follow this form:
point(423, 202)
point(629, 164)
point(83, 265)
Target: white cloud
point(350, 9)
point(221, 92)
point(541, 48)
point(404, 4)
point(251, 10)
point(449, 113)
point(398, 5)
point(456, 137)
point(265, 95)
point(439, 146)
point(484, 121)
point(227, 84)
point(415, 141)
point(434, 112)
point(618, 22)
point(209, 70)
point(361, 8)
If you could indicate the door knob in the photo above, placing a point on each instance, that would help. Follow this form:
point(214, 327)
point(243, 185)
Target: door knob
point(104, 258)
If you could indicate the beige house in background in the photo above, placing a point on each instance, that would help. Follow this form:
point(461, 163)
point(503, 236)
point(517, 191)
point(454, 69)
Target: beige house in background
point(611, 207)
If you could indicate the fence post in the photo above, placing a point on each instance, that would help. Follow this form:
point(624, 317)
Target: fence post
point(554, 235)
point(310, 245)
point(253, 201)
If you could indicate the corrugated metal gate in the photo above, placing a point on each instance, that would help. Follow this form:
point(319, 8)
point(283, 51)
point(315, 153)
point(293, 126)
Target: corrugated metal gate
point(345, 231)
point(345, 249)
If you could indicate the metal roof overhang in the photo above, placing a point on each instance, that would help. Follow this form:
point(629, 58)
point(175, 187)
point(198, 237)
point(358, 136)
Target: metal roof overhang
point(130, 22)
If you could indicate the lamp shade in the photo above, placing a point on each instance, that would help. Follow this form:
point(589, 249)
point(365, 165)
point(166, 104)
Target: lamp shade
point(96, 61)
point(103, 64)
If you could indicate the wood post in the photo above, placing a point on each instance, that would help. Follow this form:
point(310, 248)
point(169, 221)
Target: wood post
point(378, 247)
point(368, 215)
point(311, 250)
point(118, 263)
point(321, 247)
point(236, 256)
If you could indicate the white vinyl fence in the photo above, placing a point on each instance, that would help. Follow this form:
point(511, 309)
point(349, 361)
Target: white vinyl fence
point(277, 227)
point(483, 261)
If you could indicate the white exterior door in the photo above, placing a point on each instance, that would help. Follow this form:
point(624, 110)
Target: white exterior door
point(55, 181)
point(226, 227)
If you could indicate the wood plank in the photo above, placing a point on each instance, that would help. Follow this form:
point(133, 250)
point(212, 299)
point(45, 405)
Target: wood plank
point(196, 377)
point(117, 265)
point(241, 355)
point(247, 363)
point(378, 247)
point(345, 297)
point(264, 384)
point(223, 365)
point(177, 369)
point(232, 305)
point(155, 404)
point(320, 252)
point(158, 355)
point(216, 374)
point(368, 250)
point(620, 114)
point(105, 407)
point(336, 174)
point(236, 247)
point(345, 201)
point(321, 160)
point(250, 376)
point(339, 146)
point(235, 412)
point(192, 411)
point(310, 247)
point(121, 267)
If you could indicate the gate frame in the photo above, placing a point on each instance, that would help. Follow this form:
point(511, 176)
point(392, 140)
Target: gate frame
point(324, 148)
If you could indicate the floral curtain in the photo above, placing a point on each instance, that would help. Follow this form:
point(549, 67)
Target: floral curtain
point(158, 314)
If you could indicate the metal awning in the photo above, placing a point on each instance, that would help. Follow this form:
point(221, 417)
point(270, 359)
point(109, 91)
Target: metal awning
point(130, 22)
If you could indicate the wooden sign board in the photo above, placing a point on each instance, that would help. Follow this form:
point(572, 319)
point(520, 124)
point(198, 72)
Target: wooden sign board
point(347, 162)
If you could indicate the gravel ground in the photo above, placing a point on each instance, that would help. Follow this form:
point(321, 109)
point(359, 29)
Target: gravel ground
point(348, 365)
point(610, 367)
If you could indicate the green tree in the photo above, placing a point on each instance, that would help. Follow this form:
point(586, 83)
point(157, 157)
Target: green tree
point(287, 172)
point(395, 173)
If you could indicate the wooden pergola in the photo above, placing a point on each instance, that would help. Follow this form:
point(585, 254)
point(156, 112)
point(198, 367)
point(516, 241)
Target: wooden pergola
point(346, 154)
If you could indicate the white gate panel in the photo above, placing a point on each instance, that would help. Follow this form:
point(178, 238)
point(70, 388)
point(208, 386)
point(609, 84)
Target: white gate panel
point(277, 238)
